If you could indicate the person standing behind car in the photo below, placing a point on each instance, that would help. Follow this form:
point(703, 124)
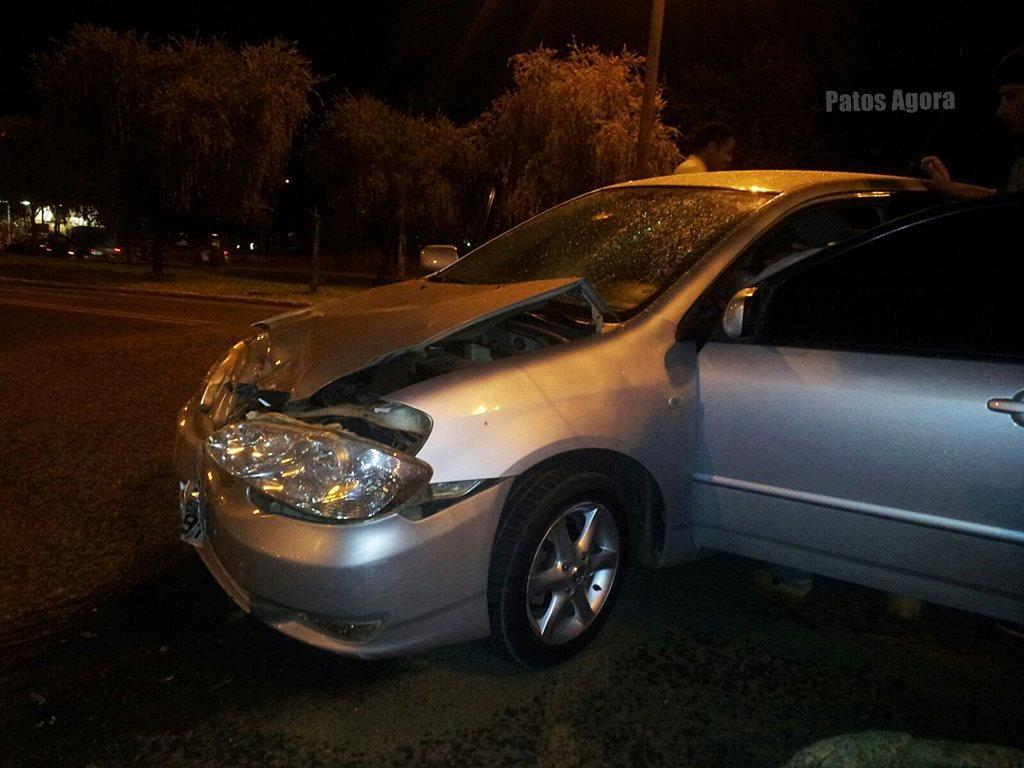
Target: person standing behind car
point(714, 145)
point(1009, 82)
point(1008, 78)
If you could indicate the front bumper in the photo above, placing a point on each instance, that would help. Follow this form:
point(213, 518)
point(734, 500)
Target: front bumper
point(424, 582)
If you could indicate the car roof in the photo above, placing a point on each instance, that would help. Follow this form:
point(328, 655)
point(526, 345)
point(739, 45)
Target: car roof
point(787, 182)
point(933, 213)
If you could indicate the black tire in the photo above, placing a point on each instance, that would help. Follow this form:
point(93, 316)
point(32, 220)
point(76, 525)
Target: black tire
point(531, 509)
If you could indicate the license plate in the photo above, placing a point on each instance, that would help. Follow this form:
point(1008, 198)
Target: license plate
point(193, 523)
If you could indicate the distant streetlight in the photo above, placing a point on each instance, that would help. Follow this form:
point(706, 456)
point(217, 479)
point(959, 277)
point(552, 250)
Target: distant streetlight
point(643, 139)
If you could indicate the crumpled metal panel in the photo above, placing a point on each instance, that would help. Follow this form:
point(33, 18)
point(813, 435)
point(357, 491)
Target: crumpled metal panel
point(336, 338)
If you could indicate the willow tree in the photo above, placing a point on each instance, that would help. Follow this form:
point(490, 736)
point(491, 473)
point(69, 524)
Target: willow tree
point(164, 135)
point(97, 91)
point(568, 124)
point(388, 174)
point(26, 171)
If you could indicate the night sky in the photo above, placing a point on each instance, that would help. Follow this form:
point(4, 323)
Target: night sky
point(451, 55)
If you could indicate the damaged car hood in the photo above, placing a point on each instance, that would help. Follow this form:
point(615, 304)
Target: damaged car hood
point(320, 344)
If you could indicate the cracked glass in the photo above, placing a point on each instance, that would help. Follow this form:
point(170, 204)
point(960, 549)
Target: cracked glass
point(630, 243)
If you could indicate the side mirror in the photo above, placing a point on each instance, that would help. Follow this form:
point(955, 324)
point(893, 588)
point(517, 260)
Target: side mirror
point(435, 257)
point(738, 319)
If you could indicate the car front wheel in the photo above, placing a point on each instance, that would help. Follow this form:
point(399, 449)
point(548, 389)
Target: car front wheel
point(557, 566)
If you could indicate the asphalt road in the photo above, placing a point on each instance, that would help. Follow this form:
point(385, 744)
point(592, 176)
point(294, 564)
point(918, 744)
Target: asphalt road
point(117, 649)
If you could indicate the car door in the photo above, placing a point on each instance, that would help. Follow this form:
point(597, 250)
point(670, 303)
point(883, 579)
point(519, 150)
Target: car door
point(867, 426)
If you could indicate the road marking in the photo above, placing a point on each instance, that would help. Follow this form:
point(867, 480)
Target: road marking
point(107, 312)
point(80, 292)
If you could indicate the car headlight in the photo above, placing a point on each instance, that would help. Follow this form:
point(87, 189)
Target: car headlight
point(316, 469)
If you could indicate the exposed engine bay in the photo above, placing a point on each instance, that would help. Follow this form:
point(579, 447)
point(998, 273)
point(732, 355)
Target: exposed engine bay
point(356, 402)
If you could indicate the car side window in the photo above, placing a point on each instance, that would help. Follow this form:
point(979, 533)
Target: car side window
point(808, 231)
point(945, 286)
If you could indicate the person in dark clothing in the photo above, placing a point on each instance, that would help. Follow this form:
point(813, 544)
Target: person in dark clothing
point(1009, 81)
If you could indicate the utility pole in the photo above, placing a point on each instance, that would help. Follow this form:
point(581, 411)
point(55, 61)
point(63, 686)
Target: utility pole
point(643, 139)
point(314, 277)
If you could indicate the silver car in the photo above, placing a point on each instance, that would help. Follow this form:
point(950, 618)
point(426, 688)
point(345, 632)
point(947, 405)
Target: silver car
point(749, 362)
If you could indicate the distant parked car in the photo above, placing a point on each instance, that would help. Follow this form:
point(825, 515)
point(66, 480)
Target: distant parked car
point(39, 244)
point(26, 245)
point(805, 368)
point(212, 251)
point(93, 243)
point(57, 244)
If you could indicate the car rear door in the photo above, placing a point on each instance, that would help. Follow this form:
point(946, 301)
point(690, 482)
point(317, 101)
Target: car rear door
point(869, 428)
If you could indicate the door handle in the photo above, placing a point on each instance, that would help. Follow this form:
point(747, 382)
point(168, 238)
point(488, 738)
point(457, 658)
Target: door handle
point(1012, 407)
point(1005, 406)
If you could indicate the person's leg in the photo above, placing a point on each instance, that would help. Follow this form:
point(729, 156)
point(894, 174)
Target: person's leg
point(783, 582)
point(904, 607)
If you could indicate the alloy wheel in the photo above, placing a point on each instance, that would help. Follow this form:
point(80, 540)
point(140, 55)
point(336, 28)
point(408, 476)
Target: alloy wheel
point(572, 572)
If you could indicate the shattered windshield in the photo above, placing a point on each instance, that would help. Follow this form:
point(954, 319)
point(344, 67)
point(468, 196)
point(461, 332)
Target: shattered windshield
point(630, 243)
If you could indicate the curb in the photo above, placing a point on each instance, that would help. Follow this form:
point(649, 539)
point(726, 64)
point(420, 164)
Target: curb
point(130, 290)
